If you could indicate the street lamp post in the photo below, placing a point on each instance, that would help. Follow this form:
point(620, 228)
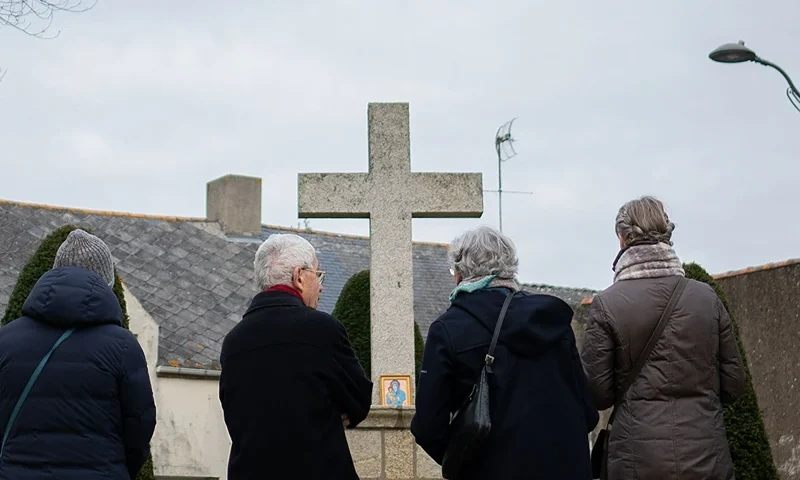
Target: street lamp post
point(738, 53)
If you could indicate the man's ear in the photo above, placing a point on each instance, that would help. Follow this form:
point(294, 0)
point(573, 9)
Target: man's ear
point(297, 280)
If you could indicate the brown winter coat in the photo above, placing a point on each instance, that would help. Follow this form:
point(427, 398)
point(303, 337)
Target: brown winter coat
point(670, 425)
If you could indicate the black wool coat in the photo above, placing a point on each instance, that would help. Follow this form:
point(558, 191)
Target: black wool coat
point(288, 374)
point(541, 407)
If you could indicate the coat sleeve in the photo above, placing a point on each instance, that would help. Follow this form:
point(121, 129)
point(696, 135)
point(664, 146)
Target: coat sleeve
point(137, 406)
point(430, 425)
point(731, 373)
point(582, 386)
point(597, 355)
point(349, 385)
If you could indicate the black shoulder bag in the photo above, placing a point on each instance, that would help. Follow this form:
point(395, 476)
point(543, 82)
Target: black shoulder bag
point(600, 448)
point(470, 425)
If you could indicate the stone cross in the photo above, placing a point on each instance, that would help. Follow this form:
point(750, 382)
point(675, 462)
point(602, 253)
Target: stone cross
point(390, 194)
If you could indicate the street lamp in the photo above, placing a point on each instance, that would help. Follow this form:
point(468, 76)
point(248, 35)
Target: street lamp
point(738, 53)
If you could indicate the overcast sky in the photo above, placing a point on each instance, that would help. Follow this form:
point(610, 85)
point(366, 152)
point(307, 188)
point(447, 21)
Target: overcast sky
point(136, 105)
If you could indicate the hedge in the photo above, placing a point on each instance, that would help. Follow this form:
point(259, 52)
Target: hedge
point(42, 261)
point(352, 309)
point(749, 444)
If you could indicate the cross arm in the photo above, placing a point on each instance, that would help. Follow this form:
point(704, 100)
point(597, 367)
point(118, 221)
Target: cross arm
point(333, 195)
point(439, 195)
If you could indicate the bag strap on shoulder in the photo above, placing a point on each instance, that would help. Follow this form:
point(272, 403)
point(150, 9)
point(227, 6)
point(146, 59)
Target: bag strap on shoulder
point(648, 348)
point(29, 386)
point(490, 354)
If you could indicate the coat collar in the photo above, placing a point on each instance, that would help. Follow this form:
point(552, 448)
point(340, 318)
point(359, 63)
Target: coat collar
point(274, 299)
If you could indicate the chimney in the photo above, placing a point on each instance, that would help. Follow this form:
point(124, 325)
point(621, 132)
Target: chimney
point(235, 202)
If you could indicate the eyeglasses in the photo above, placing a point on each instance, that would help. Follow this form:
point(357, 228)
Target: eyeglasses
point(452, 272)
point(320, 274)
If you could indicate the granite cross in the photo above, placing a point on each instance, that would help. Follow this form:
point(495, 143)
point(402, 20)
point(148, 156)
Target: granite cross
point(390, 194)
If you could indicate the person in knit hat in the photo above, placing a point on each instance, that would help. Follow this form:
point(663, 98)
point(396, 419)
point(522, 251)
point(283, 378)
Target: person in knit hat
point(90, 413)
point(84, 250)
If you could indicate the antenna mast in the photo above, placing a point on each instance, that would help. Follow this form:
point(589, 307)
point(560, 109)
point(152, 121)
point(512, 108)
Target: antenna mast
point(504, 145)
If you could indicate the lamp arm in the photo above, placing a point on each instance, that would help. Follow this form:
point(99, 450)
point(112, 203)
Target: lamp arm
point(770, 64)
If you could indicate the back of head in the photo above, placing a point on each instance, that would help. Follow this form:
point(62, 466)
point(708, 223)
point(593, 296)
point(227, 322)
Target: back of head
point(533, 322)
point(84, 250)
point(277, 258)
point(483, 251)
point(644, 220)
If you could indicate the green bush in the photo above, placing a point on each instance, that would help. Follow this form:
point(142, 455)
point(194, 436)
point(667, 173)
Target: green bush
point(749, 444)
point(40, 263)
point(352, 309)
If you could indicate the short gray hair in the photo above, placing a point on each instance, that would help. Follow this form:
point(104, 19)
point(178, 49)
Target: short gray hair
point(278, 256)
point(644, 219)
point(483, 251)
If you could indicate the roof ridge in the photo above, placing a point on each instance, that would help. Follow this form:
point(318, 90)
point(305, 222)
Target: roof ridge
point(758, 268)
point(173, 218)
point(106, 213)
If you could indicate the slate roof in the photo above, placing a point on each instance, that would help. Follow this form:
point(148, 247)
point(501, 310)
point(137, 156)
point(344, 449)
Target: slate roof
point(196, 282)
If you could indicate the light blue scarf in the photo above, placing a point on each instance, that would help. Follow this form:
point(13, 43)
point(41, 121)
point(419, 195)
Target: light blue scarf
point(482, 283)
point(465, 286)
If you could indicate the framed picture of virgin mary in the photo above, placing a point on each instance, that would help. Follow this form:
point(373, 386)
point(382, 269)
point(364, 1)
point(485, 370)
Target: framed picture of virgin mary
point(396, 390)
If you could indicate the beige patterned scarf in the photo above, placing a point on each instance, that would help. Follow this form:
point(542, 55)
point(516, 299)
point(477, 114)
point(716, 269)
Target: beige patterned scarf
point(647, 261)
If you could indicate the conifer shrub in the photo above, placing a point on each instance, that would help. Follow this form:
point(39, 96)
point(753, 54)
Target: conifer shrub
point(744, 427)
point(40, 263)
point(352, 309)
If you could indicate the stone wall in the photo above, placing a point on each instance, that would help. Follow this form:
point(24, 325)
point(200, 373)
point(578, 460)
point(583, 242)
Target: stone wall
point(766, 304)
point(383, 448)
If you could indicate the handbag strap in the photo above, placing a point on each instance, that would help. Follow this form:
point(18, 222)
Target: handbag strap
point(490, 354)
point(29, 386)
point(651, 343)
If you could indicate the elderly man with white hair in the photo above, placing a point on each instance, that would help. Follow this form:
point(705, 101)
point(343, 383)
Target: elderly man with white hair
point(290, 379)
point(539, 400)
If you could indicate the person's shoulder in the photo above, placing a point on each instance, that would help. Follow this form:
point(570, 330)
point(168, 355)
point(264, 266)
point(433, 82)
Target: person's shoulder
point(544, 301)
point(453, 311)
point(11, 332)
point(118, 336)
point(450, 318)
point(702, 297)
point(325, 321)
point(700, 288)
point(17, 324)
point(624, 289)
point(312, 322)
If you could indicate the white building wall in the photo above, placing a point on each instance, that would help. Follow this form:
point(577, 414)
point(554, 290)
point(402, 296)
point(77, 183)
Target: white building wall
point(190, 440)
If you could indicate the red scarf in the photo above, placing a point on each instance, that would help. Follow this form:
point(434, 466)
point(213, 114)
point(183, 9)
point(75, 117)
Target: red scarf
point(285, 289)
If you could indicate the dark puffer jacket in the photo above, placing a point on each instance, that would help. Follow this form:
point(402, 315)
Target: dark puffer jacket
point(90, 414)
point(670, 425)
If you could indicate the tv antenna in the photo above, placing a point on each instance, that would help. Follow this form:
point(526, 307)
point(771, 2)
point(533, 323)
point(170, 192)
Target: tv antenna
point(504, 145)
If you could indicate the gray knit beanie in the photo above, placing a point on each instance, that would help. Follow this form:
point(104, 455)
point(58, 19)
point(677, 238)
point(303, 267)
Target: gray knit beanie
point(84, 250)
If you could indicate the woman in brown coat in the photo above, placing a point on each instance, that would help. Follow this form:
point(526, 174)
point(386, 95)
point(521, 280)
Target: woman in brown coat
point(669, 424)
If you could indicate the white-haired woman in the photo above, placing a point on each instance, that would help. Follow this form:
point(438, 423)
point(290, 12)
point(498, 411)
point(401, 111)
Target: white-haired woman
point(669, 422)
point(541, 409)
